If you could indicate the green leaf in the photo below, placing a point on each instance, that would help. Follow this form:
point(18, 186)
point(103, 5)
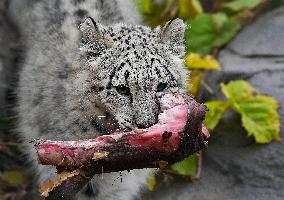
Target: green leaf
point(210, 31)
point(13, 178)
point(144, 6)
point(152, 12)
point(258, 112)
point(194, 81)
point(187, 167)
point(196, 61)
point(151, 181)
point(189, 8)
point(216, 110)
point(238, 5)
point(219, 19)
point(201, 35)
point(237, 90)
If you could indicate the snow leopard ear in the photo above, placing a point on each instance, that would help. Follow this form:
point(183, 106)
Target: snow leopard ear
point(172, 34)
point(91, 33)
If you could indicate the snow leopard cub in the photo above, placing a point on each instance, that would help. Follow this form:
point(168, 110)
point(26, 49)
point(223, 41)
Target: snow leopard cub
point(80, 83)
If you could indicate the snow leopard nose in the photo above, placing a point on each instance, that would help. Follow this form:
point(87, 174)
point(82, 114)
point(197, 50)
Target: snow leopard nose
point(146, 110)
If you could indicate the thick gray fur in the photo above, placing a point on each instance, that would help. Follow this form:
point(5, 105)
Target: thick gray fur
point(77, 70)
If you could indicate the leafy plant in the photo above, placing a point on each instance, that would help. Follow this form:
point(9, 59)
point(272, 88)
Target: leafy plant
point(194, 6)
point(13, 178)
point(197, 64)
point(186, 167)
point(151, 181)
point(258, 112)
point(216, 110)
point(208, 62)
point(209, 31)
point(238, 5)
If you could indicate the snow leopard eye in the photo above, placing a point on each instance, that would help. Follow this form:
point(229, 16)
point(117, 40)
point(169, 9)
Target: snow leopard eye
point(161, 87)
point(123, 90)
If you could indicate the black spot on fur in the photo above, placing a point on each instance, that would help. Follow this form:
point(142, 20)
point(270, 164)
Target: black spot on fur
point(158, 73)
point(140, 28)
point(126, 74)
point(92, 54)
point(95, 88)
point(128, 61)
point(152, 60)
point(120, 66)
point(131, 99)
point(110, 79)
point(81, 13)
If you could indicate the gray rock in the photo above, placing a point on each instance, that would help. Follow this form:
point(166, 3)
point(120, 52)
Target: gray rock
point(260, 38)
point(234, 166)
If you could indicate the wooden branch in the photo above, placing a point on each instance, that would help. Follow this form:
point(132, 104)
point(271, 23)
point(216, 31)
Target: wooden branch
point(178, 134)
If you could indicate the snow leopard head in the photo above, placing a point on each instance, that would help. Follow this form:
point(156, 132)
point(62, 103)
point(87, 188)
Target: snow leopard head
point(131, 67)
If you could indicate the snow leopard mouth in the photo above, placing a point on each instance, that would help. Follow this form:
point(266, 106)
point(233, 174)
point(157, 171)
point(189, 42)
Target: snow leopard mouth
point(108, 125)
point(178, 132)
point(105, 124)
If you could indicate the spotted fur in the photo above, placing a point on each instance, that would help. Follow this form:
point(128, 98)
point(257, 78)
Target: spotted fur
point(85, 76)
